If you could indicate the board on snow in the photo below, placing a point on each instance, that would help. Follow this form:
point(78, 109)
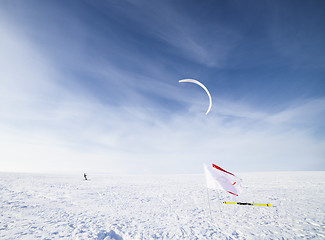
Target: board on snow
point(252, 204)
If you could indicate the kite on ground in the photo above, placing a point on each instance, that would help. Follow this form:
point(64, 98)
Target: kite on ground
point(218, 178)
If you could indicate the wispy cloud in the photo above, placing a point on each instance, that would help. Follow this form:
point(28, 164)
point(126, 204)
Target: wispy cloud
point(179, 32)
point(131, 115)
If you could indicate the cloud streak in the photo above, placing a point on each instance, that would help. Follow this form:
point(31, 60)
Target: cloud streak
point(129, 114)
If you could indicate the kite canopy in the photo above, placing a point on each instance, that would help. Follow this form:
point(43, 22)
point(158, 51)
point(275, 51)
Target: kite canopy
point(218, 178)
point(202, 86)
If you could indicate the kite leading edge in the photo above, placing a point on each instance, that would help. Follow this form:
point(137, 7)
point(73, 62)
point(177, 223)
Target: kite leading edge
point(202, 86)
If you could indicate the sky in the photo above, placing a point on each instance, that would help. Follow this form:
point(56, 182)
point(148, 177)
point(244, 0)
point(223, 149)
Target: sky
point(92, 86)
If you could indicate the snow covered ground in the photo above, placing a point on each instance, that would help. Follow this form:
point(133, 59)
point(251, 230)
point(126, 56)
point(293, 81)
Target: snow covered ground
point(160, 207)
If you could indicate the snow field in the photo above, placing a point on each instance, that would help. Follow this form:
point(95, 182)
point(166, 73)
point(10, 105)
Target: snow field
point(160, 207)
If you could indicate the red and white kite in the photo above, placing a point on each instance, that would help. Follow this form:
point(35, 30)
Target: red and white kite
point(218, 178)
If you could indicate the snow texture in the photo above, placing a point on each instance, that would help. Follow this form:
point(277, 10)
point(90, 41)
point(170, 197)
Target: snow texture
point(160, 207)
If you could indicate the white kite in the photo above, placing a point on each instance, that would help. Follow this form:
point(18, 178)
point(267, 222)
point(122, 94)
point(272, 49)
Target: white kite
point(218, 178)
point(205, 89)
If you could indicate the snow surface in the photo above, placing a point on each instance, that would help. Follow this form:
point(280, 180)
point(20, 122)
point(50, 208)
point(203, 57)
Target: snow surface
point(160, 207)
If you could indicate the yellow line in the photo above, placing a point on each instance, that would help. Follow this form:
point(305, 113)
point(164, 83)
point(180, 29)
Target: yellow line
point(256, 204)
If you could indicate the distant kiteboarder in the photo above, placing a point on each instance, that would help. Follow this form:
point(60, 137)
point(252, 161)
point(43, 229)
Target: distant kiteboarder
point(85, 176)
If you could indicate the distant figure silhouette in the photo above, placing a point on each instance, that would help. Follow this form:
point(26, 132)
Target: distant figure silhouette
point(85, 176)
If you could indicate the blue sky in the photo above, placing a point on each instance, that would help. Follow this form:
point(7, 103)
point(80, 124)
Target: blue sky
point(92, 86)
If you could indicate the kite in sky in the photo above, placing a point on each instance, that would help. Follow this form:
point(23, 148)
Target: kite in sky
point(202, 86)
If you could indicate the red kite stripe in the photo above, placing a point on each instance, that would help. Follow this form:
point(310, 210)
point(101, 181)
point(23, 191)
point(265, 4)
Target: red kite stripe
point(219, 168)
point(233, 193)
